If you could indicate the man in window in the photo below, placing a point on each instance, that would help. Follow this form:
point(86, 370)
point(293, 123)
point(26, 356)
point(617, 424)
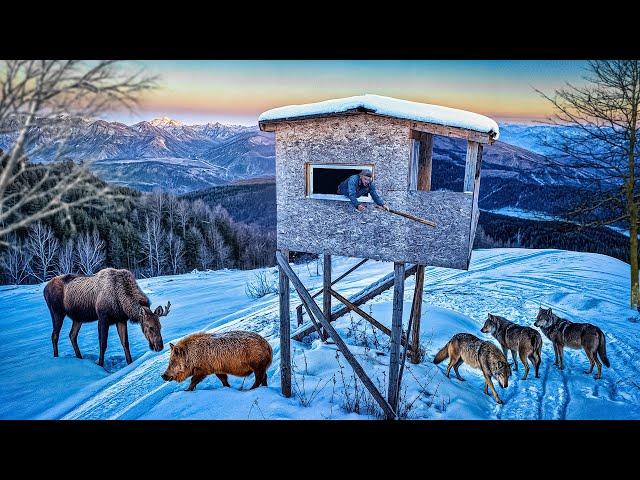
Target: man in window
point(358, 185)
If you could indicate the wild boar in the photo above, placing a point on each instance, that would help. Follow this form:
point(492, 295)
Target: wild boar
point(236, 353)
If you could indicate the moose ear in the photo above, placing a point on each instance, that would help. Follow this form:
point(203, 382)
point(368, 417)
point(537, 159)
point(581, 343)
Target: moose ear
point(172, 346)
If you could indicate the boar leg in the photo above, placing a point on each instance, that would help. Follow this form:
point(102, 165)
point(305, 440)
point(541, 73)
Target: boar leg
point(73, 336)
point(196, 378)
point(223, 378)
point(124, 339)
point(259, 373)
point(103, 334)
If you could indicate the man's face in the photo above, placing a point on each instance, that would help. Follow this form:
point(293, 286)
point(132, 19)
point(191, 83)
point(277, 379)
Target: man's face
point(365, 180)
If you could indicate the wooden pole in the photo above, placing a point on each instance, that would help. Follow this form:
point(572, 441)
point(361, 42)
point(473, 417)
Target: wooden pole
point(416, 314)
point(365, 315)
point(285, 326)
point(357, 265)
point(411, 217)
point(315, 311)
point(474, 150)
point(424, 162)
point(396, 334)
point(382, 287)
point(326, 288)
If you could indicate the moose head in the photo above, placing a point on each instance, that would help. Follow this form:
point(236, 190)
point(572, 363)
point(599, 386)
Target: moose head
point(150, 325)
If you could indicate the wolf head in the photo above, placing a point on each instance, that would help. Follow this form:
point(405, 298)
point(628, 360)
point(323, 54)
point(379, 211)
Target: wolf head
point(501, 369)
point(491, 324)
point(545, 318)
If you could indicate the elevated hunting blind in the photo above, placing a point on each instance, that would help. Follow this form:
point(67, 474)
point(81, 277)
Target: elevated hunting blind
point(319, 145)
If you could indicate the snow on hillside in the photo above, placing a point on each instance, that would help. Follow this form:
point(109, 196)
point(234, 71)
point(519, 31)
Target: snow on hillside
point(509, 282)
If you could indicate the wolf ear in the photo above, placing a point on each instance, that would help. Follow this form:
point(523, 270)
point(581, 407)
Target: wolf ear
point(172, 346)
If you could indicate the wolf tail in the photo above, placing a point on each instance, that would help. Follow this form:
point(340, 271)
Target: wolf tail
point(442, 354)
point(602, 348)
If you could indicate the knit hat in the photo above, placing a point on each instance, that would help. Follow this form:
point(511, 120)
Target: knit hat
point(366, 172)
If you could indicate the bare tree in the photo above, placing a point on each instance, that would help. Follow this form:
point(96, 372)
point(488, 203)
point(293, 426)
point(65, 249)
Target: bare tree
point(42, 246)
point(16, 261)
point(206, 256)
point(184, 212)
point(43, 90)
point(600, 142)
point(66, 258)
point(153, 237)
point(175, 249)
point(89, 253)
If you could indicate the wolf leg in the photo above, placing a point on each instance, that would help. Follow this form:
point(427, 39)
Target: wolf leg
point(515, 360)
point(455, 369)
point(561, 356)
point(555, 355)
point(525, 363)
point(536, 362)
point(590, 356)
point(453, 359)
point(493, 390)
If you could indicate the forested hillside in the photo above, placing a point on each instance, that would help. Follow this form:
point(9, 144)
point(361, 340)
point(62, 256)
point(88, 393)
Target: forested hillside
point(149, 234)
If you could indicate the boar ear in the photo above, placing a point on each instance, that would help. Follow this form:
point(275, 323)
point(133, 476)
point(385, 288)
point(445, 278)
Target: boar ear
point(172, 346)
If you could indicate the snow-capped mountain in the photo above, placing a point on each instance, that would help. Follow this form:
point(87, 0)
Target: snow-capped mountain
point(161, 152)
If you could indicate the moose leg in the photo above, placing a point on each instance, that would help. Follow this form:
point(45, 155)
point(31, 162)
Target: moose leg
point(103, 334)
point(56, 319)
point(224, 379)
point(73, 336)
point(124, 340)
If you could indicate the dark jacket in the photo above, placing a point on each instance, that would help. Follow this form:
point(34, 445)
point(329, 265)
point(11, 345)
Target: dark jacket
point(353, 188)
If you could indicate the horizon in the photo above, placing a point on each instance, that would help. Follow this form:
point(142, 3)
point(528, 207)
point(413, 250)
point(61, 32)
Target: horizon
point(236, 92)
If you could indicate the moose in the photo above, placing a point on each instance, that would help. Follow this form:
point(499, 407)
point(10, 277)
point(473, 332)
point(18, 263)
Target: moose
point(110, 296)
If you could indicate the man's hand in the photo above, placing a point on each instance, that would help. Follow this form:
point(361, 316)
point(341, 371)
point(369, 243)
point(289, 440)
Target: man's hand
point(361, 208)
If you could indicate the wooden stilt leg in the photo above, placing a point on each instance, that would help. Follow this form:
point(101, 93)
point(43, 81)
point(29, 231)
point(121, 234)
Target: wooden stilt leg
point(396, 335)
point(285, 330)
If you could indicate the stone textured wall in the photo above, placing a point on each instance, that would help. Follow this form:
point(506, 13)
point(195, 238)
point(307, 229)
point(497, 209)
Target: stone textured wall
point(330, 226)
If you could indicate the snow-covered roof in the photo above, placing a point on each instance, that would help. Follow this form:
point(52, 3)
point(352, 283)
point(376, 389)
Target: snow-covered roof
point(387, 106)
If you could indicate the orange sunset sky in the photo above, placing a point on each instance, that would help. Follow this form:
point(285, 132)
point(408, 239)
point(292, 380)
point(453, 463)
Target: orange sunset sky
point(238, 91)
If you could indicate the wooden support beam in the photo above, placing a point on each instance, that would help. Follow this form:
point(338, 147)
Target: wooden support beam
point(366, 316)
point(396, 335)
point(326, 287)
point(424, 162)
point(357, 265)
point(416, 314)
point(471, 165)
point(315, 311)
point(382, 287)
point(285, 326)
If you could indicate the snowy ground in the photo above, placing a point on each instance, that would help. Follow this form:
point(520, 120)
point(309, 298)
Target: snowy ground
point(509, 282)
